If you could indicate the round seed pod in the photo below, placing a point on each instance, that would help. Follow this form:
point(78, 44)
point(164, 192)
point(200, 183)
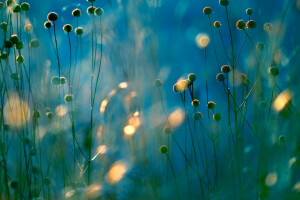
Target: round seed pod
point(224, 2)
point(68, 28)
point(274, 71)
point(4, 55)
point(19, 45)
point(217, 24)
point(48, 24)
point(49, 115)
point(251, 24)
point(90, 10)
point(25, 6)
point(14, 76)
point(207, 10)
point(79, 31)
point(184, 84)
point(267, 27)
point(36, 114)
point(8, 44)
point(76, 12)
point(28, 28)
point(220, 77)
point(3, 26)
point(158, 83)
point(14, 184)
point(164, 149)
point(14, 39)
point(225, 69)
point(211, 105)
point(217, 117)
point(68, 98)
point(1, 5)
point(63, 80)
point(192, 77)
point(195, 103)
point(260, 46)
point(197, 116)
point(177, 88)
point(52, 16)
point(17, 8)
point(55, 80)
point(98, 11)
point(20, 59)
point(249, 11)
point(240, 24)
point(34, 43)
point(91, 1)
point(281, 139)
point(6, 127)
point(167, 130)
point(47, 181)
point(10, 3)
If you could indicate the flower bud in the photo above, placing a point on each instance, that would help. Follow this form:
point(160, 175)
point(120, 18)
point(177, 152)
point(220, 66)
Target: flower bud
point(220, 77)
point(3, 26)
point(55, 80)
point(79, 31)
point(14, 39)
point(76, 12)
point(195, 103)
point(17, 8)
point(251, 24)
point(207, 10)
point(68, 98)
point(63, 80)
point(25, 6)
point(52, 16)
point(90, 10)
point(192, 77)
point(217, 117)
point(240, 24)
point(217, 24)
point(164, 149)
point(68, 28)
point(224, 2)
point(274, 71)
point(225, 69)
point(20, 59)
point(49, 115)
point(19, 45)
point(3, 55)
point(98, 11)
point(211, 105)
point(249, 11)
point(47, 24)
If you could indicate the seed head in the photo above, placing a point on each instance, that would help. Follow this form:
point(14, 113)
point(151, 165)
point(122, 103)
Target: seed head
point(192, 77)
point(267, 27)
point(281, 139)
point(211, 105)
point(52, 16)
point(158, 83)
point(249, 11)
point(251, 24)
point(240, 24)
point(98, 11)
point(224, 2)
point(34, 43)
point(91, 1)
point(3, 55)
point(274, 71)
point(10, 3)
point(220, 77)
point(217, 117)
point(177, 88)
point(197, 116)
point(163, 149)
point(68, 28)
point(25, 6)
point(19, 45)
point(14, 39)
point(36, 114)
point(17, 8)
point(225, 69)
point(49, 115)
point(47, 24)
point(207, 10)
point(8, 44)
point(217, 24)
point(20, 59)
point(28, 28)
point(260, 46)
point(68, 98)
point(195, 103)
point(55, 80)
point(184, 84)
point(167, 130)
point(76, 12)
point(63, 80)
point(79, 31)
point(90, 10)
point(3, 26)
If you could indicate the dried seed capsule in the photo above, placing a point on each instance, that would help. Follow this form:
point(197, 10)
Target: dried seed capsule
point(240, 24)
point(211, 105)
point(217, 117)
point(98, 11)
point(63, 80)
point(192, 77)
point(48, 24)
point(52, 16)
point(68, 28)
point(90, 10)
point(28, 28)
point(217, 24)
point(249, 11)
point(17, 8)
point(19, 45)
point(195, 103)
point(68, 98)
point(274, 71)
point(225, 69)
point(76, 12)
point(207, 10)
point(158, 83)
point(167, 130)
point(20, 59)
point(220, 77)
point(25, 6)
point(224, 2)
point(164, 149)
point(197, 116)
point(14, 39)
point(55, 80)
point(79, 31)
point(251, 24)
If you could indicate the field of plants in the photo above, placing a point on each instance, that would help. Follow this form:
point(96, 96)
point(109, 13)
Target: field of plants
point(150, 99)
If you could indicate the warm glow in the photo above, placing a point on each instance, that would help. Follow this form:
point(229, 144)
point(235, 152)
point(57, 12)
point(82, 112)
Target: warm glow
point(271, 179)
point(116, 172)
point(134, 121)
point(129, 130)
point(102, 149)
point(136, 114)
point(123, 85)
point(16, 111)
point(103, 105)
point(112, 93)
point(70, 194)
point(61, 110)
point(176, 118)
point(282, 100)
point(93, 191)
point(202, 40)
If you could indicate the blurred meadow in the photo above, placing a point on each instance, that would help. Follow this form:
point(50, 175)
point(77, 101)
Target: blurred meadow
point(150, 99)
